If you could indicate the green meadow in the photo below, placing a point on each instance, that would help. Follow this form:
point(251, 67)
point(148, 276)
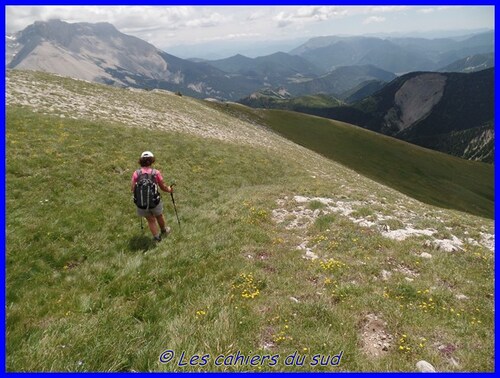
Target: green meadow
point(429, 176)
point(87, 289)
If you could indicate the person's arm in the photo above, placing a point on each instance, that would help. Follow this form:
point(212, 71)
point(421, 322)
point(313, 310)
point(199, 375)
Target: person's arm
point(165, 188)
point(161, 183)
point(134, 180)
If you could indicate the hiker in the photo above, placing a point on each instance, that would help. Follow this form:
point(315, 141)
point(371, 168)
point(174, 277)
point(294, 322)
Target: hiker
point(147, 197)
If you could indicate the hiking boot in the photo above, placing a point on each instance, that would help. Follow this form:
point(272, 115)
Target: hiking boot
point(166, 231)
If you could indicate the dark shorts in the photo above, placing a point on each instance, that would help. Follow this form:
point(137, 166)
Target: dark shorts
point(158, 210)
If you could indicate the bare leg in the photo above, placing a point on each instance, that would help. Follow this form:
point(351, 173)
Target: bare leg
point(161, 221)
point(152, 225)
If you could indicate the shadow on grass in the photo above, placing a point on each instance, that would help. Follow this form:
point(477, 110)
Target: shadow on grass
point(141, 243)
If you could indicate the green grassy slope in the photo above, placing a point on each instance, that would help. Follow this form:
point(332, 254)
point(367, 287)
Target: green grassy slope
point(426, 175)
point(80, 287)
point(88, 291)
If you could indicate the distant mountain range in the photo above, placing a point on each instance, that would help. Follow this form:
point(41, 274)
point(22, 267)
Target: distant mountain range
point(450, 112)
point(99, 52)
point(340, 80)
point(398, 55)
point(272, 70)
point(328, 65)
point(472, 63)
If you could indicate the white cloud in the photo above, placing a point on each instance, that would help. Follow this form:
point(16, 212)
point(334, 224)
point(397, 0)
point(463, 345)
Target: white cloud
point(123, 17)
point(388, 9)
point(283, 19)
point(243, 35)
point(232, 36)
point(373, 20)
point(211, 20)
point(255, 16)
point(306, 14)
point(426, 10)
point(164, 26)
point(436, 9)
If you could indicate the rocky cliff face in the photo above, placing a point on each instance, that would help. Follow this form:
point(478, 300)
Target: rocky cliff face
point(85, 51)
point(481, 146)
point(414, 101)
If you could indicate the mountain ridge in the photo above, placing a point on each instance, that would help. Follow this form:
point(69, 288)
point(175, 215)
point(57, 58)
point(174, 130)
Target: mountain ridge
point(398, 55)
point(471, 63)
point(99, 52)
point(87, 51)
point(340, 80)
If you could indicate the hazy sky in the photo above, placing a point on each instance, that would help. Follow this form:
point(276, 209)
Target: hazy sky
point(165, 26)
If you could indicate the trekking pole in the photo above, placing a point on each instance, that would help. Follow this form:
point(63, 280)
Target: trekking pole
point(175, 208)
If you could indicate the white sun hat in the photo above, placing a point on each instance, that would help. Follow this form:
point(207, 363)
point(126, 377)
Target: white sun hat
point(147, 154)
